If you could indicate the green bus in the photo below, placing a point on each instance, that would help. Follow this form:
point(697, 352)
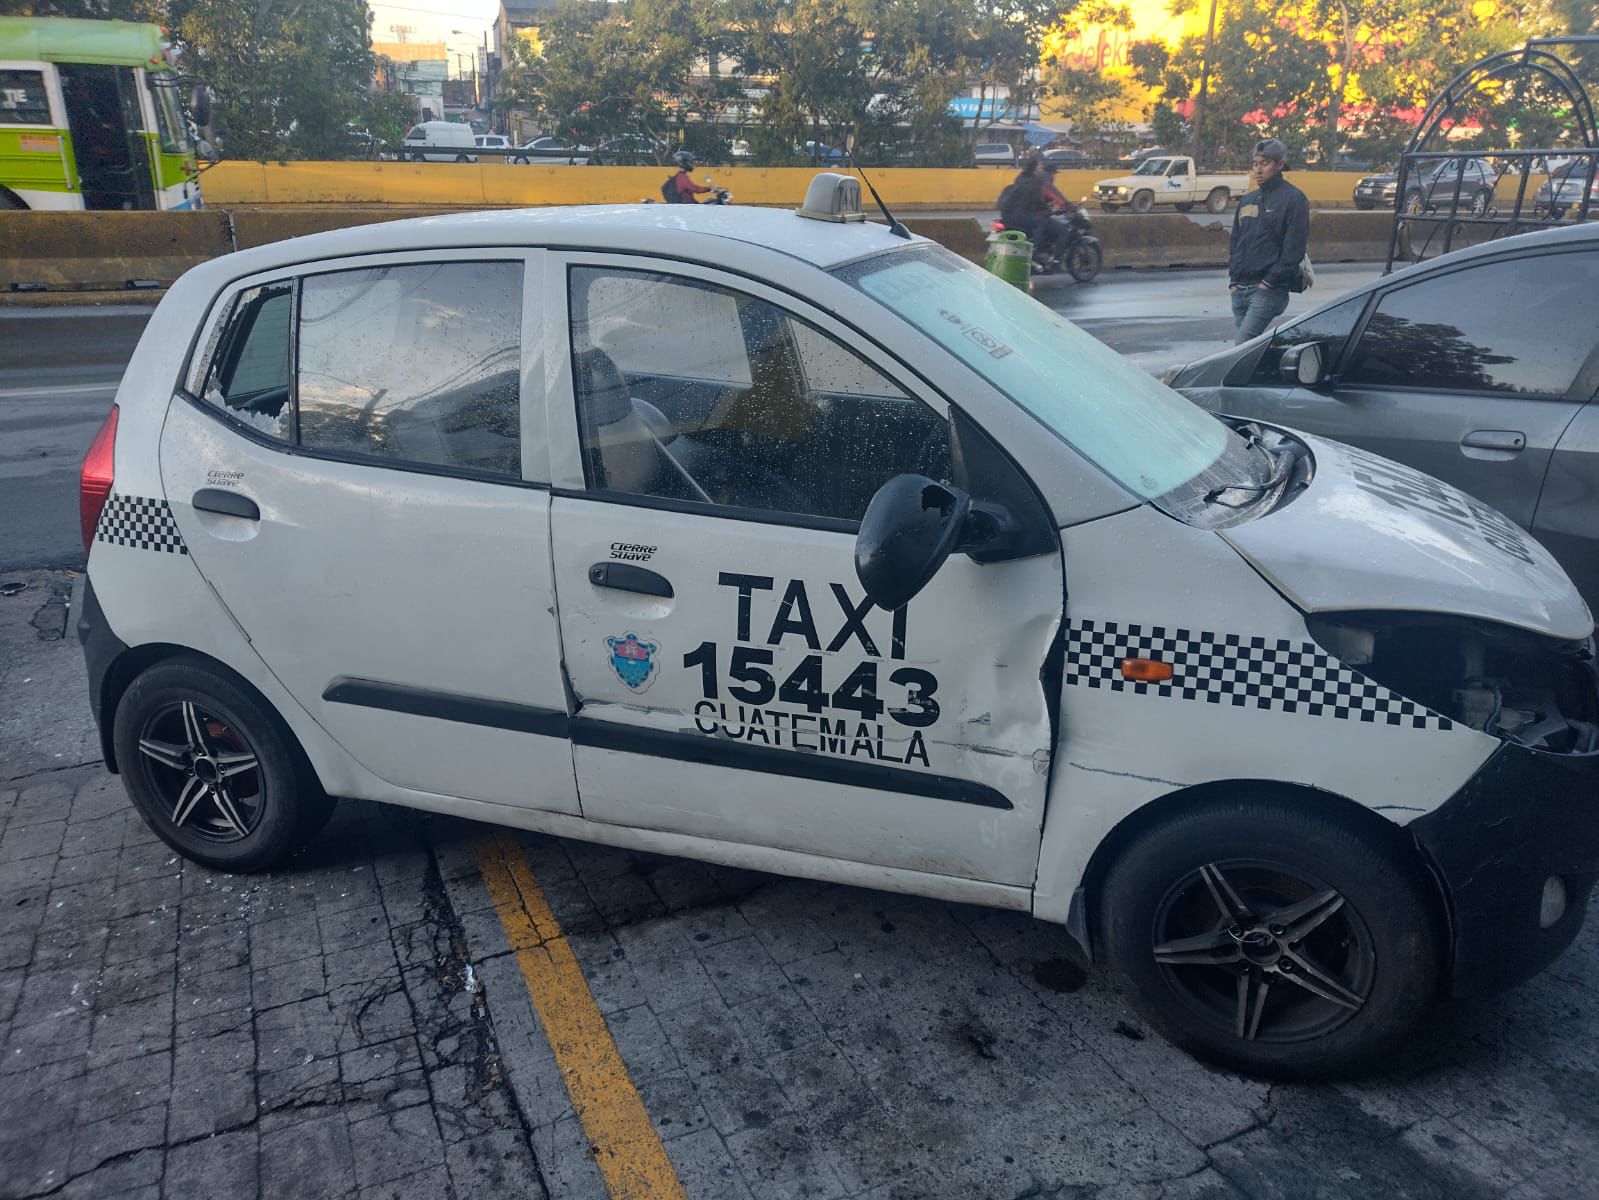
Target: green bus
point(90, 118)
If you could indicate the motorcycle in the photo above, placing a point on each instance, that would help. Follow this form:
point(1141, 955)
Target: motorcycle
point(1076, 252)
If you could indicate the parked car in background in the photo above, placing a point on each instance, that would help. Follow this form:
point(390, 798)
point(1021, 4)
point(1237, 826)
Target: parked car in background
point(494, 141)
point(630, 150)
point(1143, 152)
point(739, 148)
point(1066, 156)
point(1477, 368)
point(821, 152)
point(1562, 193)
point(1170, 181)
point(1434, 186)
point(551, 150)
point(440, 141)
point(994, 154)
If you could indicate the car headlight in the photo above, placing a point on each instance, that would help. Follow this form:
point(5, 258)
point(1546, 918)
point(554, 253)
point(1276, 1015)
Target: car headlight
point(1121, 191)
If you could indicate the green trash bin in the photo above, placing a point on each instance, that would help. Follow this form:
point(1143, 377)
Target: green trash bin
point(1010, 256)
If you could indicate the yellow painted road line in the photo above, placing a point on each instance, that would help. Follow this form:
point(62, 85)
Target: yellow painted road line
point(627, 1149)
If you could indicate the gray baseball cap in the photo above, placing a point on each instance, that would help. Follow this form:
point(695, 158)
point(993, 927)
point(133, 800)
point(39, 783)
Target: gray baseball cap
point(1272, 148)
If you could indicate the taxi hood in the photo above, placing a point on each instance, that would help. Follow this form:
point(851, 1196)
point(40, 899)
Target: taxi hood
point(1369, 534)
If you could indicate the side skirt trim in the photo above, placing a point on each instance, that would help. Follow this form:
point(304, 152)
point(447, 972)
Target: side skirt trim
point(683, 747)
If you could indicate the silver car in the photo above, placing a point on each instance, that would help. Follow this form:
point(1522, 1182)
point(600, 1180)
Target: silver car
point(1479, 368)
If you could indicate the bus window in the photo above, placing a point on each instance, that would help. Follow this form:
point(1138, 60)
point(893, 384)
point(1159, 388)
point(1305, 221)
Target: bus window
point(169, 120)
point(23, 100)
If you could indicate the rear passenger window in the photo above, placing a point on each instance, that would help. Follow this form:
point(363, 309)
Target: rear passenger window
point(249, 377)
point(1525, 325)
point(414, 364)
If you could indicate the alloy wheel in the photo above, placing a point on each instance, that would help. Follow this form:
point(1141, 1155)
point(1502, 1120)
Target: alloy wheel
point(207, 774)
point(1263, 950)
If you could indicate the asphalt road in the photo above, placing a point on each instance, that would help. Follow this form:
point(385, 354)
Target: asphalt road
point(59, 369)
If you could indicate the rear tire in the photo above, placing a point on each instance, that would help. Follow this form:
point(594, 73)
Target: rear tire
point(1481, 201)
point(1220, 989)
point(213, 770)
point(1218, 200)
point(1143, 202)
point(520, 160)
point(418, 156)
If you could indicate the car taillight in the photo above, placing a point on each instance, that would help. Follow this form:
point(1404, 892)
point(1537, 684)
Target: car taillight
point(94, 481)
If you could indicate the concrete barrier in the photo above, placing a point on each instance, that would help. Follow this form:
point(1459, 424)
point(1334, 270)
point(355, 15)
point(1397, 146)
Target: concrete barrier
point(103, 251)
point(496, 184)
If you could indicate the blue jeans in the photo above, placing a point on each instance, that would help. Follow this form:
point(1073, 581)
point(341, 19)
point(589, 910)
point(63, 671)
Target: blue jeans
point(1255, 307)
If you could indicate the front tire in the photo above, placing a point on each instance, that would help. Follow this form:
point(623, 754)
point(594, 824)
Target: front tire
point(1143, 202)
point(1272, 939)
point(1084, 261)
point(212, 770)
point(1218, 200)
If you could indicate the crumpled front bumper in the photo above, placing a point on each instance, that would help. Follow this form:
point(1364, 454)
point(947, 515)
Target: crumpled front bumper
point(1525, 816)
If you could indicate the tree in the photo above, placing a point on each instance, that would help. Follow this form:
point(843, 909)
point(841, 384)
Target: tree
point(846, 68)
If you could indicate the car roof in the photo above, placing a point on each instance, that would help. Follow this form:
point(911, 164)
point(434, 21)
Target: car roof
point(704, 232)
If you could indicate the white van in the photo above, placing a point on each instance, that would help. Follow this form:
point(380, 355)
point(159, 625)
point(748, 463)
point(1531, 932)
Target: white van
point(440, 141)
point(801, 546)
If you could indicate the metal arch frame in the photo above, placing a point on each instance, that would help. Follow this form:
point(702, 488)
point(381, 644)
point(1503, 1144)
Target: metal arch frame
point(1531, 59)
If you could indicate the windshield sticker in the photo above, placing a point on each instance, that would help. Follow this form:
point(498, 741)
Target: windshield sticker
point(1404, 488)
point(1274, 674)
point(633, 660)
point(845, 697)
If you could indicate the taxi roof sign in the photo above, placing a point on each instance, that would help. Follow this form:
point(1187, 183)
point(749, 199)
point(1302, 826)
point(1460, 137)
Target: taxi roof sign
point(832, 196)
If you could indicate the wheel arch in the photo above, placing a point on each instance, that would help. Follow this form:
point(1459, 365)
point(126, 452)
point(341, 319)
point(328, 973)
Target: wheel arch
point(1084, 922)
point(136, 660)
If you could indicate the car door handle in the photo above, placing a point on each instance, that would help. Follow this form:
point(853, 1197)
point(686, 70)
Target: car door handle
point(227, 504)
point(1495, 439)
point(626, 577)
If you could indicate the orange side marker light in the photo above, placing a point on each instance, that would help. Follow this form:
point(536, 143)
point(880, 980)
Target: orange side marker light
point(1146, 670)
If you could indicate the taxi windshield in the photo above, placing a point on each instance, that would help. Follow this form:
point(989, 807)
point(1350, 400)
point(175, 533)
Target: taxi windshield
point(1133, 427)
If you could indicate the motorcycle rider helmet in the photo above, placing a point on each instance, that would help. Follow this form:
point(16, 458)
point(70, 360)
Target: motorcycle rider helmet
point(684, 159)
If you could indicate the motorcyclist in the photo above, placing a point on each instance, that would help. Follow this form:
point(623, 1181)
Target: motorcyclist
point(1028, 203)
point(681, 188)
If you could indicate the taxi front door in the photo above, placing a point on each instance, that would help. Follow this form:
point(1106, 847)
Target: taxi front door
point(732, 681)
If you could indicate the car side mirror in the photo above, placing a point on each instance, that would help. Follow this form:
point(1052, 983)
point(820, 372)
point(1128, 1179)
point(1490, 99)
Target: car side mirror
point(911, 526)
point(1304, 364)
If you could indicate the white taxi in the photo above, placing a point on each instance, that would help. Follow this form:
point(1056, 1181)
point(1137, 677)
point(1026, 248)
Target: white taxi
point(803, 545)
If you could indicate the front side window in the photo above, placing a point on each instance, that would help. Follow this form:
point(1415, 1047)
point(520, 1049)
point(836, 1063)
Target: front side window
point(1138, 431)
point(169, 122)
point(691, 392)
point(1522, 325)
point(249, 373)
point(418, 363)
point(23, 99)
point(1330, 327)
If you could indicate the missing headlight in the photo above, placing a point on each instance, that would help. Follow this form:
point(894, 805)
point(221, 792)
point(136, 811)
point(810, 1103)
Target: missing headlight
point(1532, 690)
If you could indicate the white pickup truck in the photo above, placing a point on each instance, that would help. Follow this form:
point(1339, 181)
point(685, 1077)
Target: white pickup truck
point(1170, 181)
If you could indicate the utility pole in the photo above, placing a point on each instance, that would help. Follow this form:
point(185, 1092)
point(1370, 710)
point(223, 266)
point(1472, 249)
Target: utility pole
point(1204, 89)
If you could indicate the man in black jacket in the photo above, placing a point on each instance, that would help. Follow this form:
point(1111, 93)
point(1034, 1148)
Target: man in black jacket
point(1270, 230)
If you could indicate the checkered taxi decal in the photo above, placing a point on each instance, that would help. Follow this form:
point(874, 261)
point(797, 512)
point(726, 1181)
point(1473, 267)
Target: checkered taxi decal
point(1246, 672)
point(139, 523)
